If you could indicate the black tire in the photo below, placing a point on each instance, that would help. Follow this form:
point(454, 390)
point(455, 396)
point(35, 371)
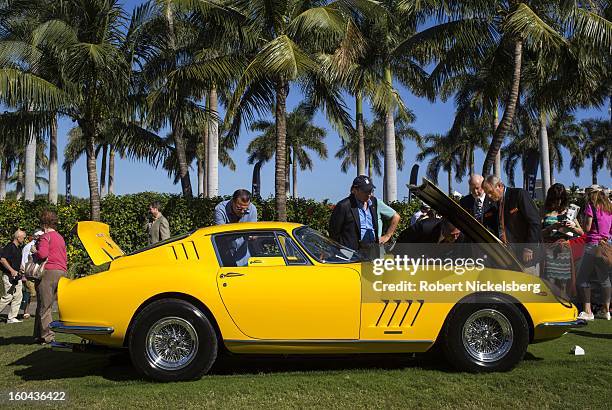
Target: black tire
point(500, 316)
point(196, 336)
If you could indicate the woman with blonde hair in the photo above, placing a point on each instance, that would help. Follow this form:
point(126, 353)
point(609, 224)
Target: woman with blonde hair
point(598, 227)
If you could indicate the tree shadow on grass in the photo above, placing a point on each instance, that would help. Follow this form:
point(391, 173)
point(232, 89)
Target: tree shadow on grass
point(47, 364)
point(592, 335)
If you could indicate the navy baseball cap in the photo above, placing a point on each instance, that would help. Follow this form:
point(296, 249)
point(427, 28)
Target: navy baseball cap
point(363, 183)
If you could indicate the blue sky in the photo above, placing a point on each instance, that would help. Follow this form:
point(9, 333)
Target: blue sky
point(325, 180)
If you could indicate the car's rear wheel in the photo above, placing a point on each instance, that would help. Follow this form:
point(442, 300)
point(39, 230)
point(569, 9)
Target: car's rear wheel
point(485, 337)
point(172, 340)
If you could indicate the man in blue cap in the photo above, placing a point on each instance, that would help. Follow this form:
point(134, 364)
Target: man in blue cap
point(354, 221)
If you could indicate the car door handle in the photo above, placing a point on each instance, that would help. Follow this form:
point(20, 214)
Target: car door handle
point(231, 275)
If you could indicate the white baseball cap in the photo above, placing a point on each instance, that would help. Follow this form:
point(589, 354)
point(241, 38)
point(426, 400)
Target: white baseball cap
point(38, 233)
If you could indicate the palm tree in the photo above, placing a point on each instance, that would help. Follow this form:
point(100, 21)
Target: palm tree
point(392, 55)
point(188, 58)
point(596, 144)
point(511, 26)
point(290, 37)
point(94, 72)
point(192, 144)
point(374, 144)
point(526, 142)
point(301, 135)
point(441, 149)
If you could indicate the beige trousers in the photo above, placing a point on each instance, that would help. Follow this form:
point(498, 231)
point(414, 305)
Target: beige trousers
point(14, 299)
point(46, 290)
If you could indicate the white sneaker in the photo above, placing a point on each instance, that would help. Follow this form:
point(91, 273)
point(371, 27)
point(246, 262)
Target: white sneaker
point(586, 316)
point(603, 315)
point(14, 321)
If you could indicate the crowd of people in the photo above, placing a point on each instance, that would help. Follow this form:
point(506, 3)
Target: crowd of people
point(567, 247)
point(47, 249)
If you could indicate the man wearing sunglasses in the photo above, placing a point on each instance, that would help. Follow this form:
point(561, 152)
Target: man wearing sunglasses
point(238, 209)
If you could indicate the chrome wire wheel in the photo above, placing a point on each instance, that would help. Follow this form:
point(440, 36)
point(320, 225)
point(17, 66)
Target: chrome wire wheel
point(487, 335)
point(172, 343)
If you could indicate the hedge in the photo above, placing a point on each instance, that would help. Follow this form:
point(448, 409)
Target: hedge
point(127, 215)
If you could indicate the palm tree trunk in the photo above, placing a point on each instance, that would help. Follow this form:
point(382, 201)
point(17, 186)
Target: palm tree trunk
point(594, 170)
point(212, 174)
point(294, 173)
point(205, 160)
point(111, 169)
point(181, 155)
point(361, 157)
point(92, 174)
point(103, 171)
point(282, 89)
point(370, 167)
point(508, 117)
point(53, 170)
point(471, 160)
point(3, 178)
point(30, 166)
point(497, 167)
point(200, 178)
point(20, 176)
point(544, 155)
point(450, 182)
point(390, 152)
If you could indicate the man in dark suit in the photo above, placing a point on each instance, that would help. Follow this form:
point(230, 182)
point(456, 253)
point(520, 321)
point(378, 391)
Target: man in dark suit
point(518, 219)
point(479, 205)
point(354, 221)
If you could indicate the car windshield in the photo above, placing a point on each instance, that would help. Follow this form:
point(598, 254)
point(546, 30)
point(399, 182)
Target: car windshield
point(324, 249)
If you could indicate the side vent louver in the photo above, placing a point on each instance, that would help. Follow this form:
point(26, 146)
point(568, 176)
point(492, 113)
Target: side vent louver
point(184, 251)
point(399, 313)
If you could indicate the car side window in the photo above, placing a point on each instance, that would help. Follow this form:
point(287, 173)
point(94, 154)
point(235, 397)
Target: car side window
point(235, 249)
point(292, 254)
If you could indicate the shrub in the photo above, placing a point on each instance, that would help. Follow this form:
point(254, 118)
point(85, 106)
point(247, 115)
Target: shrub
point(127, 215)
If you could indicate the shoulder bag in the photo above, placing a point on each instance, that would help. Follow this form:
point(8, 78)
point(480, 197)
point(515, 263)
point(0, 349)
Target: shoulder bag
point(603, 251)
point(34, 269)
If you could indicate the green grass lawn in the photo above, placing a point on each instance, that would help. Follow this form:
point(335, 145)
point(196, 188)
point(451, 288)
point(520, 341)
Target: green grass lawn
point(550, 377)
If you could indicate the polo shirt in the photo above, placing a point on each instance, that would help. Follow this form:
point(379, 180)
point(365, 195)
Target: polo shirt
point(383, 211)
point(13, 256)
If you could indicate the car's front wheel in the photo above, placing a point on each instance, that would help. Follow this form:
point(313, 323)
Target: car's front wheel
point(172, 340)
point(485, 337)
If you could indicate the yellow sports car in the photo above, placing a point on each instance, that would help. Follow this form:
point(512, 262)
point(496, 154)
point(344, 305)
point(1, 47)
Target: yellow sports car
point(284, 288)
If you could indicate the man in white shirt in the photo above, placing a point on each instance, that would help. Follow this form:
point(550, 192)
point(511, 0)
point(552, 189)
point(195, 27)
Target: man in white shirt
point(29, 289)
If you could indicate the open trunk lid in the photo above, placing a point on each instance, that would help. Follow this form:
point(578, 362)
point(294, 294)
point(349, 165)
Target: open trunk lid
point(96, 240)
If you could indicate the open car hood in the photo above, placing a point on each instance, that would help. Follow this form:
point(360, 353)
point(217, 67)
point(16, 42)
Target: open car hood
point(97, 242)
point(429, 193)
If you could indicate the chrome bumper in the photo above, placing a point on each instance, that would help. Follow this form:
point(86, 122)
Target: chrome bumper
point(568, 325)
point(61, 327)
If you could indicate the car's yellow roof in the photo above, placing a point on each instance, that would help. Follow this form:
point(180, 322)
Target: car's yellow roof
point(286, 226)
